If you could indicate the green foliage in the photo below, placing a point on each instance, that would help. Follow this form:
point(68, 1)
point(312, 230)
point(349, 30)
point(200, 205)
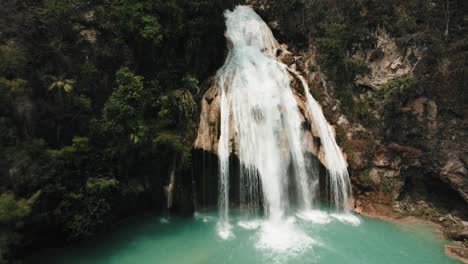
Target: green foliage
point(90, 207)
point(101, 185)
point(176, 108)
point(312, 68)
point(191, 83)
point(61, 84)
point(12, 59)
point(13, 87)
point(139, 17)
point(124, 109)
point(173, 144)
point(397, 85)
point(84, 122)
point(406, 24)
point(28, 162)
point(333, 45)
point(12, 213)
point(80, 146)
point(151, 29)
point(364, 111)
point(296, 3)
point(86, 199)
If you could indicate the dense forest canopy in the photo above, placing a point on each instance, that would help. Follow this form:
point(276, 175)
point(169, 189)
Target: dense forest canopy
point(97, 100)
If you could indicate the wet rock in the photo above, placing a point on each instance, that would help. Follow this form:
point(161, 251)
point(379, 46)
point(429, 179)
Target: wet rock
point(285, 56)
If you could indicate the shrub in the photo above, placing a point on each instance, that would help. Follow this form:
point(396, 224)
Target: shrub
point(397, 85)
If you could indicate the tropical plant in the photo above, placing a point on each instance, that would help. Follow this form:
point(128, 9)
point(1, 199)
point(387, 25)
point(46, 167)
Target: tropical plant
point(61, 84)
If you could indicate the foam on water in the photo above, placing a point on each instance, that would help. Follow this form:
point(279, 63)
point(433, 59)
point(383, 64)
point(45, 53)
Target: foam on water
point(250, 224)
point(347, 218)
point(283, 238)
point(224, 230)
point(314, 216)
point(204, 218)
point(164, 220)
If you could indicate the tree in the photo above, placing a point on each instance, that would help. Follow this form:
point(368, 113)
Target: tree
point(12, 212)
point(124, 109)
point(61, 84)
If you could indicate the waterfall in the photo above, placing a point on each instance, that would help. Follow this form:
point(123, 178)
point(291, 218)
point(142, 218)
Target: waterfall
point(340, 186)
point(261, 124)
point(169, 189)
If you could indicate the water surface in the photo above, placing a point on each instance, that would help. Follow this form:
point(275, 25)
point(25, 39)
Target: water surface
point(328, 239)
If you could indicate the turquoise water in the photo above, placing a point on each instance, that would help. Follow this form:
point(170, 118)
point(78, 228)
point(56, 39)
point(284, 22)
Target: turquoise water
point(329, 240)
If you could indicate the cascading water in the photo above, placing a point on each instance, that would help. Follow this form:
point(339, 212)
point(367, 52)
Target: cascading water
point(340, 187)
point(260, 114)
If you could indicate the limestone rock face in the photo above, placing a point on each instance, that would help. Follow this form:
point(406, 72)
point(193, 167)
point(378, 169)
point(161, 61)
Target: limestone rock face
point(208, 129)
point(386, 61)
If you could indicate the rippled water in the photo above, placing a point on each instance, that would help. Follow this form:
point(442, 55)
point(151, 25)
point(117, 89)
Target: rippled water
point(329, 239)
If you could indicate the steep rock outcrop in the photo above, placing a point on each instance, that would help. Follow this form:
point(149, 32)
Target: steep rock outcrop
point(386, 61)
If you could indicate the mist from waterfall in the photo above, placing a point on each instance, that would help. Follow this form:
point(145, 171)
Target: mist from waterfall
point(261, 124)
